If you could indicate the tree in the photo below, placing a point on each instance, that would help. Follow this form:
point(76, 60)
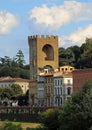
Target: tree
point(5, 71)
point(24, 73)
point(20, 58)
point(70, 56)
point(66, 56)
point(62, 58)
point(77, 52)
point(85, 60)
point(86, 54)
point(2, 60)
point(87, 46)
point(16, 89)
point(6, 92)
point(10, 126)
point(61, 51)
point(6, 60)
point(77, 111)
point(11, 91)
point(50, 119)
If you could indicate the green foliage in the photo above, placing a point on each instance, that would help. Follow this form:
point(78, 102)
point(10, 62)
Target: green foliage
point(38, 128)
point(6, 92)
point(14, 67)
point(5, 71)
point(5, 61)
point(77, 111)
point(66, 57)
point(24, 73)
point(77, 52)
point(10, 91)
point(87, 46)
point(20, 58)
point(16, 89)
point(86, 59)
point(50, 119)
point(86, 54)
point(79, 57)
point(10, 126)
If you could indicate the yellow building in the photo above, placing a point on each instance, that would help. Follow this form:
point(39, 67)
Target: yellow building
point(66, 68)
point(8, 81)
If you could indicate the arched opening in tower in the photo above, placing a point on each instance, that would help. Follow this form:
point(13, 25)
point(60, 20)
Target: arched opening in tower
point(49, 52)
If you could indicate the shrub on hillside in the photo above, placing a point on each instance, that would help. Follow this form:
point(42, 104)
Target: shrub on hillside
point(49, 118)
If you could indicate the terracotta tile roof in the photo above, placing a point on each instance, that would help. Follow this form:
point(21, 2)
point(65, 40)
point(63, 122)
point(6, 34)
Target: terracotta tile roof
point(10, 79)
point(33, 81)
point(57, 74)
point(60, 74)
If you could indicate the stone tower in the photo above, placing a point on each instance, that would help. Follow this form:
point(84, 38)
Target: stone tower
point(43, 52)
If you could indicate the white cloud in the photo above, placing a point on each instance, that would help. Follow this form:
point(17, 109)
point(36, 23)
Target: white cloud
point(7, 22)
point(77, 38)
point(55, 17)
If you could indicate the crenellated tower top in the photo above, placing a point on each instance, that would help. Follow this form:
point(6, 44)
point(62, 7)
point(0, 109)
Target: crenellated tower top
point(42, 37)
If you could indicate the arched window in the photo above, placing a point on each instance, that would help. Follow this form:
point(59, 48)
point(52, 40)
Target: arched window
point(48, 50)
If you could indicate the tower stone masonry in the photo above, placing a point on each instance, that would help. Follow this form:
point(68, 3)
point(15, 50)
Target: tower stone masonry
point(43, 52)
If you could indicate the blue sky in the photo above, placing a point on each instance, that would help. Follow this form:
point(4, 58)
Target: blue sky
point(71, 20)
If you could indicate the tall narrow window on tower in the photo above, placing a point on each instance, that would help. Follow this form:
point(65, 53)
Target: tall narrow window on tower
point(49, 52)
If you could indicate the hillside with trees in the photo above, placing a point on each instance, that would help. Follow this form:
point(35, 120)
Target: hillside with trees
point(14, 67)
point(79, 57)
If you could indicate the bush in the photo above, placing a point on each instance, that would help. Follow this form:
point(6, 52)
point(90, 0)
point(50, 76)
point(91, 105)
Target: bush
point(77, 111)
point(49, 118)
point(10, 126)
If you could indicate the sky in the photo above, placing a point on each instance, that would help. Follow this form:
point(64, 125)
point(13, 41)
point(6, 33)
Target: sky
point(70, 20)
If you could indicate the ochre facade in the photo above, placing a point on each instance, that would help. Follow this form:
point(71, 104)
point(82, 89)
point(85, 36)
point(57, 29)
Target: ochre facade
point(43, 52)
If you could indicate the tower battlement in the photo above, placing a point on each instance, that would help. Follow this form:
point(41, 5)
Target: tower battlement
point(42, 37)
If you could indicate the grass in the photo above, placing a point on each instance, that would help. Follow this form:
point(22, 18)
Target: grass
point(24, 124)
